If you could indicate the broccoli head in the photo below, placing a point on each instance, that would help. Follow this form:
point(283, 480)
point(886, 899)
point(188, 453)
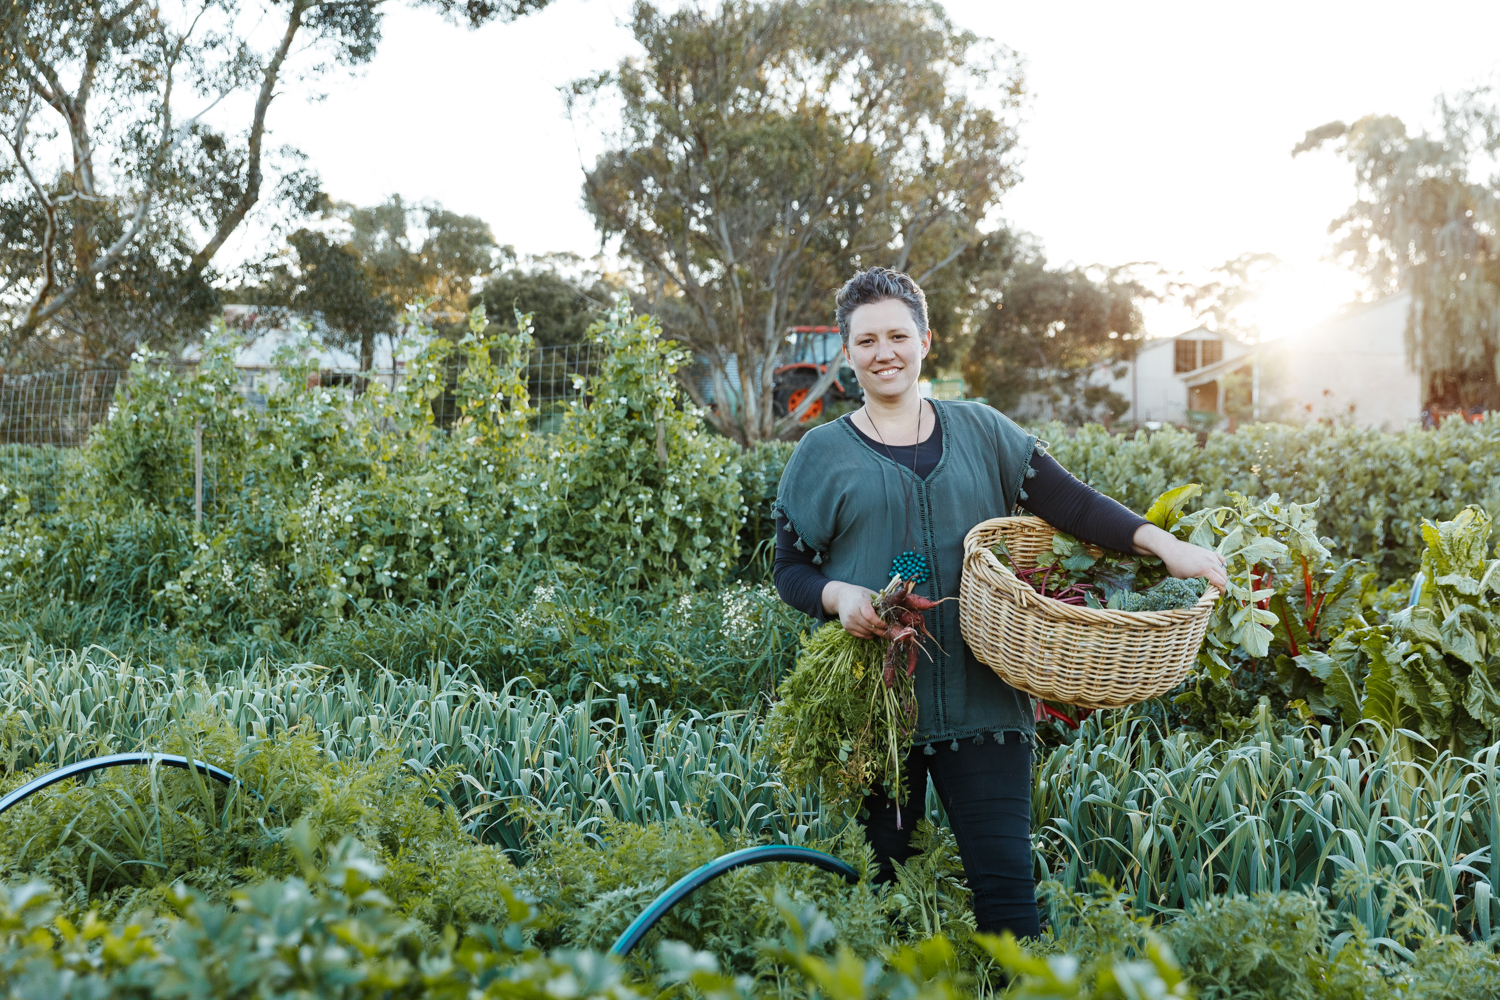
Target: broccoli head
point(1169, 595)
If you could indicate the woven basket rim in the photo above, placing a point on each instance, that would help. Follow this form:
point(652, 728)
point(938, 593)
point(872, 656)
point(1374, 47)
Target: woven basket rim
point(979, 556)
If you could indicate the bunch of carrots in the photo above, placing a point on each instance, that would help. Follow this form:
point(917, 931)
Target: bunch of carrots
point(846, 713)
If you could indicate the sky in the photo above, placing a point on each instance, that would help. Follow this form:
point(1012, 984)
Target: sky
point(1152, 131)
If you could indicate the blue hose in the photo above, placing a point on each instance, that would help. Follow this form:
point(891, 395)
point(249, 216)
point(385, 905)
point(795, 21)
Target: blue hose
point(83, 767)
point(642, 924)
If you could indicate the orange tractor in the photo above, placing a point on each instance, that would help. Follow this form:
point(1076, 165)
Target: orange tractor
point(810, 351)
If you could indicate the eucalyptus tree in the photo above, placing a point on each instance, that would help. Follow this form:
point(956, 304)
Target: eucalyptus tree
point(360, 272)
point(767, 148)
point(1040, 334)
point(135, 145)
point(1425, 220)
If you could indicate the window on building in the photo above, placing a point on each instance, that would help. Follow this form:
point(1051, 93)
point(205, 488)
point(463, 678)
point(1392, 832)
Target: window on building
point(1213, 352)
point(1187, 356)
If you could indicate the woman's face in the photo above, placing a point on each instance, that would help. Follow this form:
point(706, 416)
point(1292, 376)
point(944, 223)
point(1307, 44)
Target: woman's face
point(886, 349)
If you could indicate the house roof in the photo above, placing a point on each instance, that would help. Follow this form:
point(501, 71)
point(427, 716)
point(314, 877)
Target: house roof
point(1196, 333)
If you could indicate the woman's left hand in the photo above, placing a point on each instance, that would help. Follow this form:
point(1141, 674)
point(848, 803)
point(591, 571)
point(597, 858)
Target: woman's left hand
point(1182, 559)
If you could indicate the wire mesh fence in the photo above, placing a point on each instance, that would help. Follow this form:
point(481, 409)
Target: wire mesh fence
point(45, 417)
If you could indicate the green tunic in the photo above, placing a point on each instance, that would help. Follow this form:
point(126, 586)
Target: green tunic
point(847, 503)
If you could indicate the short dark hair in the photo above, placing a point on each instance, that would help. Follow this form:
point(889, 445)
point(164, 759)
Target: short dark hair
point(876, 285)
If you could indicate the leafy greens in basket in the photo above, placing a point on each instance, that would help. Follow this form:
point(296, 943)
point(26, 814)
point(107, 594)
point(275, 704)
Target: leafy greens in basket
point(1075, 573)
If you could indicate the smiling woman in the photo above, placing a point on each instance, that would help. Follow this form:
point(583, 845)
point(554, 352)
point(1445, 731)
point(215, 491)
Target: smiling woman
point(892, 489)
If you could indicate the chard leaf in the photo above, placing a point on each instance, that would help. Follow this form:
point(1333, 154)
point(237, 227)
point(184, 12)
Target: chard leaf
point(1382, 702)
point(1166, 510)
point(1482, 701)
point(1456, 550)
point(1458, 638)
point(1213, 664)
point(1428, 686)
point(1459, 582)
point(1417, 624)
point(1078, 563)
point(1256, 638)
point(1342, 593)
point(1491, 578)
point(1315, 662)
point(1340, 689)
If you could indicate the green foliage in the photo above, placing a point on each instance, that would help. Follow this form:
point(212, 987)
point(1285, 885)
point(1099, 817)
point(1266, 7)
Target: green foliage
point(561, 308)
point(1431, 667)
point(1259, 541)
point(589, 885)
point(709, 648)
point(843, 719)
point(760, 472)
point(326, 504)
point(1059, 977)
point(1175, 820)
point(1268, 946)
point(639, 489)
point(1166, 510)
point(1275, 946)
point(609, 804)
point(589, 758)
point(331, 932)
point(137, 834)
point(821, 729)
point(1373, 489)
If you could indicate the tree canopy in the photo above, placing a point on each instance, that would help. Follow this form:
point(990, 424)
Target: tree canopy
point(1045, 331)
point(392, 254)
point(118, 188)
point(563, 297)
point(1423, 221)
point(768, 149)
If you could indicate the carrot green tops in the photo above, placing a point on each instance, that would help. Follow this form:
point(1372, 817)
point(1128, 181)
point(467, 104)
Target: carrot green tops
point(848, 504)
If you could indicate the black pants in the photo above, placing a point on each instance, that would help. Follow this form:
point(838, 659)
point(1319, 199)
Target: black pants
point(986, 790)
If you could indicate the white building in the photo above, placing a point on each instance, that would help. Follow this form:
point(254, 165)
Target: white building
point(268, 330)
point(1156, 382)
point(1352, 366)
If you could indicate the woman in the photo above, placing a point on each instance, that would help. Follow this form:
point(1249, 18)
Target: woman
point(898, 483)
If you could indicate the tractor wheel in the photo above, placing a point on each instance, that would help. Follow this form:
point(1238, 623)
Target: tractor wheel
point(792, 391)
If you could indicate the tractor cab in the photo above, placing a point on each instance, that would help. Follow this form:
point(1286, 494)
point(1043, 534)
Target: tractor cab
point(804, 363)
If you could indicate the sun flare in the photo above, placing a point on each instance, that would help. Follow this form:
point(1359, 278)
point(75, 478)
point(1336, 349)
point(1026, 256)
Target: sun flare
point(1296, 298)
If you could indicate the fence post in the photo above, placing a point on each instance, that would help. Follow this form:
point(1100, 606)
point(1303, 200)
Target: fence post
point(198, 472)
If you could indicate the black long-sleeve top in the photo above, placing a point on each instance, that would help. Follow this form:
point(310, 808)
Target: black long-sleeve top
point(1051, 493)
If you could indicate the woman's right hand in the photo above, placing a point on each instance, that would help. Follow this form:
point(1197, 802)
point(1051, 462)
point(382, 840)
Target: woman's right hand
point(853, 606)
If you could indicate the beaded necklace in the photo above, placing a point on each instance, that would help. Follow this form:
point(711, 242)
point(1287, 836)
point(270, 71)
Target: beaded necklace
point(910, 565)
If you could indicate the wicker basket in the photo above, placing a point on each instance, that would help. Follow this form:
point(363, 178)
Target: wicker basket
point(1080, 656)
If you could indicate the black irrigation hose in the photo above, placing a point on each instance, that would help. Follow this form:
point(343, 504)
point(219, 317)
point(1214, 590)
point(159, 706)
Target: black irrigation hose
point(642, 924)
point(83, 767)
